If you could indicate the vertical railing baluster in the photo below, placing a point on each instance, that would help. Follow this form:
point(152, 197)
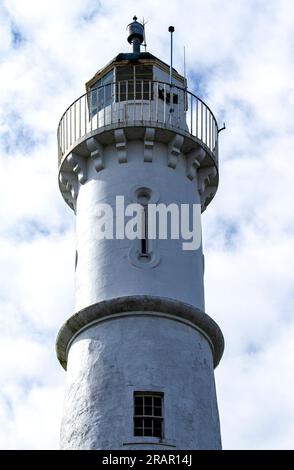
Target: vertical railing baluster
point(70, 126)
point(58, 141)
point(197, 119)
point(156, 103)
point(201, 121)
point(178, 107)
point(88, 112)
point(142, 98)
point(164, 103)
point(212, 134)
point(85, 114)
point(170, 105)
point(97, 111)
point(195, 116)
point(80, 117)
point(111, 99)
point(75, 117)
point(191, 117)
point(63, 136)
point(114, 116)
point(135, 98)
point(66, 130)
point(104, 105)
point(206, 125)
point(210, 130)
point(204, 128)
point(150, 101)
point(91, 109)
point(127, 100)
point(60, 136)
point(64, 123)
point(119, 105)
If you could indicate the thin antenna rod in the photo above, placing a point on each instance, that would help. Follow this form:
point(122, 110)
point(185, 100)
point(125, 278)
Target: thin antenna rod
point(144, 34)
point(185, 67)
point(171, 30)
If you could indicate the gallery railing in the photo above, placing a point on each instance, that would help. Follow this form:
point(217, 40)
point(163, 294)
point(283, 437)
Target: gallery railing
point(139, 102)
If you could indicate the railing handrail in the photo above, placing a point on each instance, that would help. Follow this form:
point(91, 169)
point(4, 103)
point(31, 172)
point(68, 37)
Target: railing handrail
point(83, 115)
point(185, 90)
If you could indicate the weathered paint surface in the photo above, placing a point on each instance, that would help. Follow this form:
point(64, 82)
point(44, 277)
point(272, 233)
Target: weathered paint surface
point(109, 361)
point(105, 269)
point(138, 326)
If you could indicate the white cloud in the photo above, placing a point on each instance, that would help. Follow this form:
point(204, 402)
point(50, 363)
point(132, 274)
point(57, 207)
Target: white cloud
point(239, 54)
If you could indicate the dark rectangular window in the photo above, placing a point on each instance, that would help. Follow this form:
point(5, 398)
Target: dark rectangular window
point(148, 414)
point(134, 82)
point(166, 96)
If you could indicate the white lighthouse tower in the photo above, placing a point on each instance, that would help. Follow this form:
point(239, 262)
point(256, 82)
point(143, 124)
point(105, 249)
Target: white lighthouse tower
point(139, 349)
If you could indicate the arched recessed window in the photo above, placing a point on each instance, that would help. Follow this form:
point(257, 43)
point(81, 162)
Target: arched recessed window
point(143, 251)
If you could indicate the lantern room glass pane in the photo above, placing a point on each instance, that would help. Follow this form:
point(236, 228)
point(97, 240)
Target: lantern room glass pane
point(102, 93)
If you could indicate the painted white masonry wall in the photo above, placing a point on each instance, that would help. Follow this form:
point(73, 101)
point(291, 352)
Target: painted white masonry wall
point(104, 269)
point(146, 330)
point(111, 360)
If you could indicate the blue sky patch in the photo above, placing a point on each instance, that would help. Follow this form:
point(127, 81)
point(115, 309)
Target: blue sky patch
point(17, 135)
point(17, 37)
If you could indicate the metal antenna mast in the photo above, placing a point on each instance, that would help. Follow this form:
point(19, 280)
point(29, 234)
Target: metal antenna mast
point(144, 34)
point(185, 66)
point(171, 30)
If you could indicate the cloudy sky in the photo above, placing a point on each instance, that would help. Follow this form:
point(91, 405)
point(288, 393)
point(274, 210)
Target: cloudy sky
point(240, 60)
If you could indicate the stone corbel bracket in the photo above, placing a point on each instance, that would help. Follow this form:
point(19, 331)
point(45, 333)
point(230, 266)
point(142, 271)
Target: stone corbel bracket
point(208, 193)
point(149, 144)
point(121, 145)
point(205, 177)
point(194, 159)
point(78, 166)
point(96, 153)
point(174, 150)
point(69, 183)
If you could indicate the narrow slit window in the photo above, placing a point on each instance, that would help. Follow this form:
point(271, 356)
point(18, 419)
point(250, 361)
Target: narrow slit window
point(144, 241)
point(148, 414)
point(143, 199)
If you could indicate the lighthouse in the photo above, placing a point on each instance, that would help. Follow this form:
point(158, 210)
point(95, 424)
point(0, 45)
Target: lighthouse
point(139, 349)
